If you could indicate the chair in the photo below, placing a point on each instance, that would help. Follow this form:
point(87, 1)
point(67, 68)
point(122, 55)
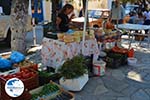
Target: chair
point(138, 33)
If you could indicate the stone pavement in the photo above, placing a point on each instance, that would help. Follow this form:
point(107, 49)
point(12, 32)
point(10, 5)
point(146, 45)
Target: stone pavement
point(124, 83)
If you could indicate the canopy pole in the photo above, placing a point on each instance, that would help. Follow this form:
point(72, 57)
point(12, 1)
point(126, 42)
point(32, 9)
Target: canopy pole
point(84, 28)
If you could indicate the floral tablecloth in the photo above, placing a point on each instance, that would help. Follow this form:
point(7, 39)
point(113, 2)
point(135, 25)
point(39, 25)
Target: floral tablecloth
point(55, 52)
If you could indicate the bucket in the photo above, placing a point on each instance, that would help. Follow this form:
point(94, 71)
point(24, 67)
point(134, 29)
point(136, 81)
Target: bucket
point(99, 68)
point(132, 61)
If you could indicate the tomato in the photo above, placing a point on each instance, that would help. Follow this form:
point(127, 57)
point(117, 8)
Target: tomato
point(26, 70)
point(19, 77)
point(1, 75)
point(14, 75)
point(7, 79)
point(35, 67)
point(32, 74)
point(26, 75)
point(19, 74)
point(10, 76)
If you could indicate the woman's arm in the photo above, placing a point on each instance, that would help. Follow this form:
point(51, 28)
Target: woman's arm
point(58, 21)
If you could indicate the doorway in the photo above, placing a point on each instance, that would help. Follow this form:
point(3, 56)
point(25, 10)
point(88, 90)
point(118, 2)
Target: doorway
point(37, 10)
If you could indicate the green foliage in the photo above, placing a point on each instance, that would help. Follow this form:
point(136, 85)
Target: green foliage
point(73, 68)
point(44, 74)
point(47, 89)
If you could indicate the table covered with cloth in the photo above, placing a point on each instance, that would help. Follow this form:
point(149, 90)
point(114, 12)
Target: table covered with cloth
point(55, 52)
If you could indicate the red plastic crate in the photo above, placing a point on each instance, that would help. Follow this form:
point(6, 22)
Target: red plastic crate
point(25, 96)
point(29, 83)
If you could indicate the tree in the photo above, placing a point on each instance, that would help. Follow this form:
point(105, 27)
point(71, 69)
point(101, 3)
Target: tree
point(54, 13)
point(18, 21)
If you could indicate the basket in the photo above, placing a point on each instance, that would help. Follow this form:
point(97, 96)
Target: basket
point(132, 61)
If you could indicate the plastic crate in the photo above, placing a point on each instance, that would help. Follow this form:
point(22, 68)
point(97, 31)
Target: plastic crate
point(12, 70)
point(45, 79)
point(25, 96)
point(32, 66)
point(112, 62)
point(29, 83)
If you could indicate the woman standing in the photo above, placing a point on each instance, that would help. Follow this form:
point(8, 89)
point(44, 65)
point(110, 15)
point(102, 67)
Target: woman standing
point(117, 12)
point(63, 19)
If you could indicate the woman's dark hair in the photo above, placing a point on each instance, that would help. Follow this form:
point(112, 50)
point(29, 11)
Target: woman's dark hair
point(67, 6)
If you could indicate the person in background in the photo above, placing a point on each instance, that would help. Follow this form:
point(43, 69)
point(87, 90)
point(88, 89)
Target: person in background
point(140, 18)
point(81, 13)
point(133, 17)
point(146, 15)
point(1, 10)
point(117, 12)
point(63, 20)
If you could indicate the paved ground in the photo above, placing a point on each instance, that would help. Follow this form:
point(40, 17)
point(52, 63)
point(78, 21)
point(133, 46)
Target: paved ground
point(124, 83)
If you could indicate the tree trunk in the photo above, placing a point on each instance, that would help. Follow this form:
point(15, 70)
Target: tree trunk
point(54, 15)
point(18, 20)
point(84, 7)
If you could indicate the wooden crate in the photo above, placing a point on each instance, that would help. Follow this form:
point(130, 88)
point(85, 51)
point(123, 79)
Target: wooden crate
point(52, 95)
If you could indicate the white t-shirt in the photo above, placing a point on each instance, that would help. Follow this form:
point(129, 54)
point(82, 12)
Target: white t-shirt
point(1, 10)
point(147, 15)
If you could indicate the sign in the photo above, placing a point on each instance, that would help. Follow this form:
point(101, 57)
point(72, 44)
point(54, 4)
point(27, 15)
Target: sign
point(14, 87)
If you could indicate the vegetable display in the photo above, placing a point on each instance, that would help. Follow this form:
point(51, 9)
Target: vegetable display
point(73, 68)
point(46, 90)
point(23, 74)
point(26, 64)
point(51, 91)
point(63, 96)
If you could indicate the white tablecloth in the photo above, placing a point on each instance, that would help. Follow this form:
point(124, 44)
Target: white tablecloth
point(55, 52)
point(133, 26)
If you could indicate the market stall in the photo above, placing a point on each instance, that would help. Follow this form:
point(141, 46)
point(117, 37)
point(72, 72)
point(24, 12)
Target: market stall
point(16, 68)
point(55, 52)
